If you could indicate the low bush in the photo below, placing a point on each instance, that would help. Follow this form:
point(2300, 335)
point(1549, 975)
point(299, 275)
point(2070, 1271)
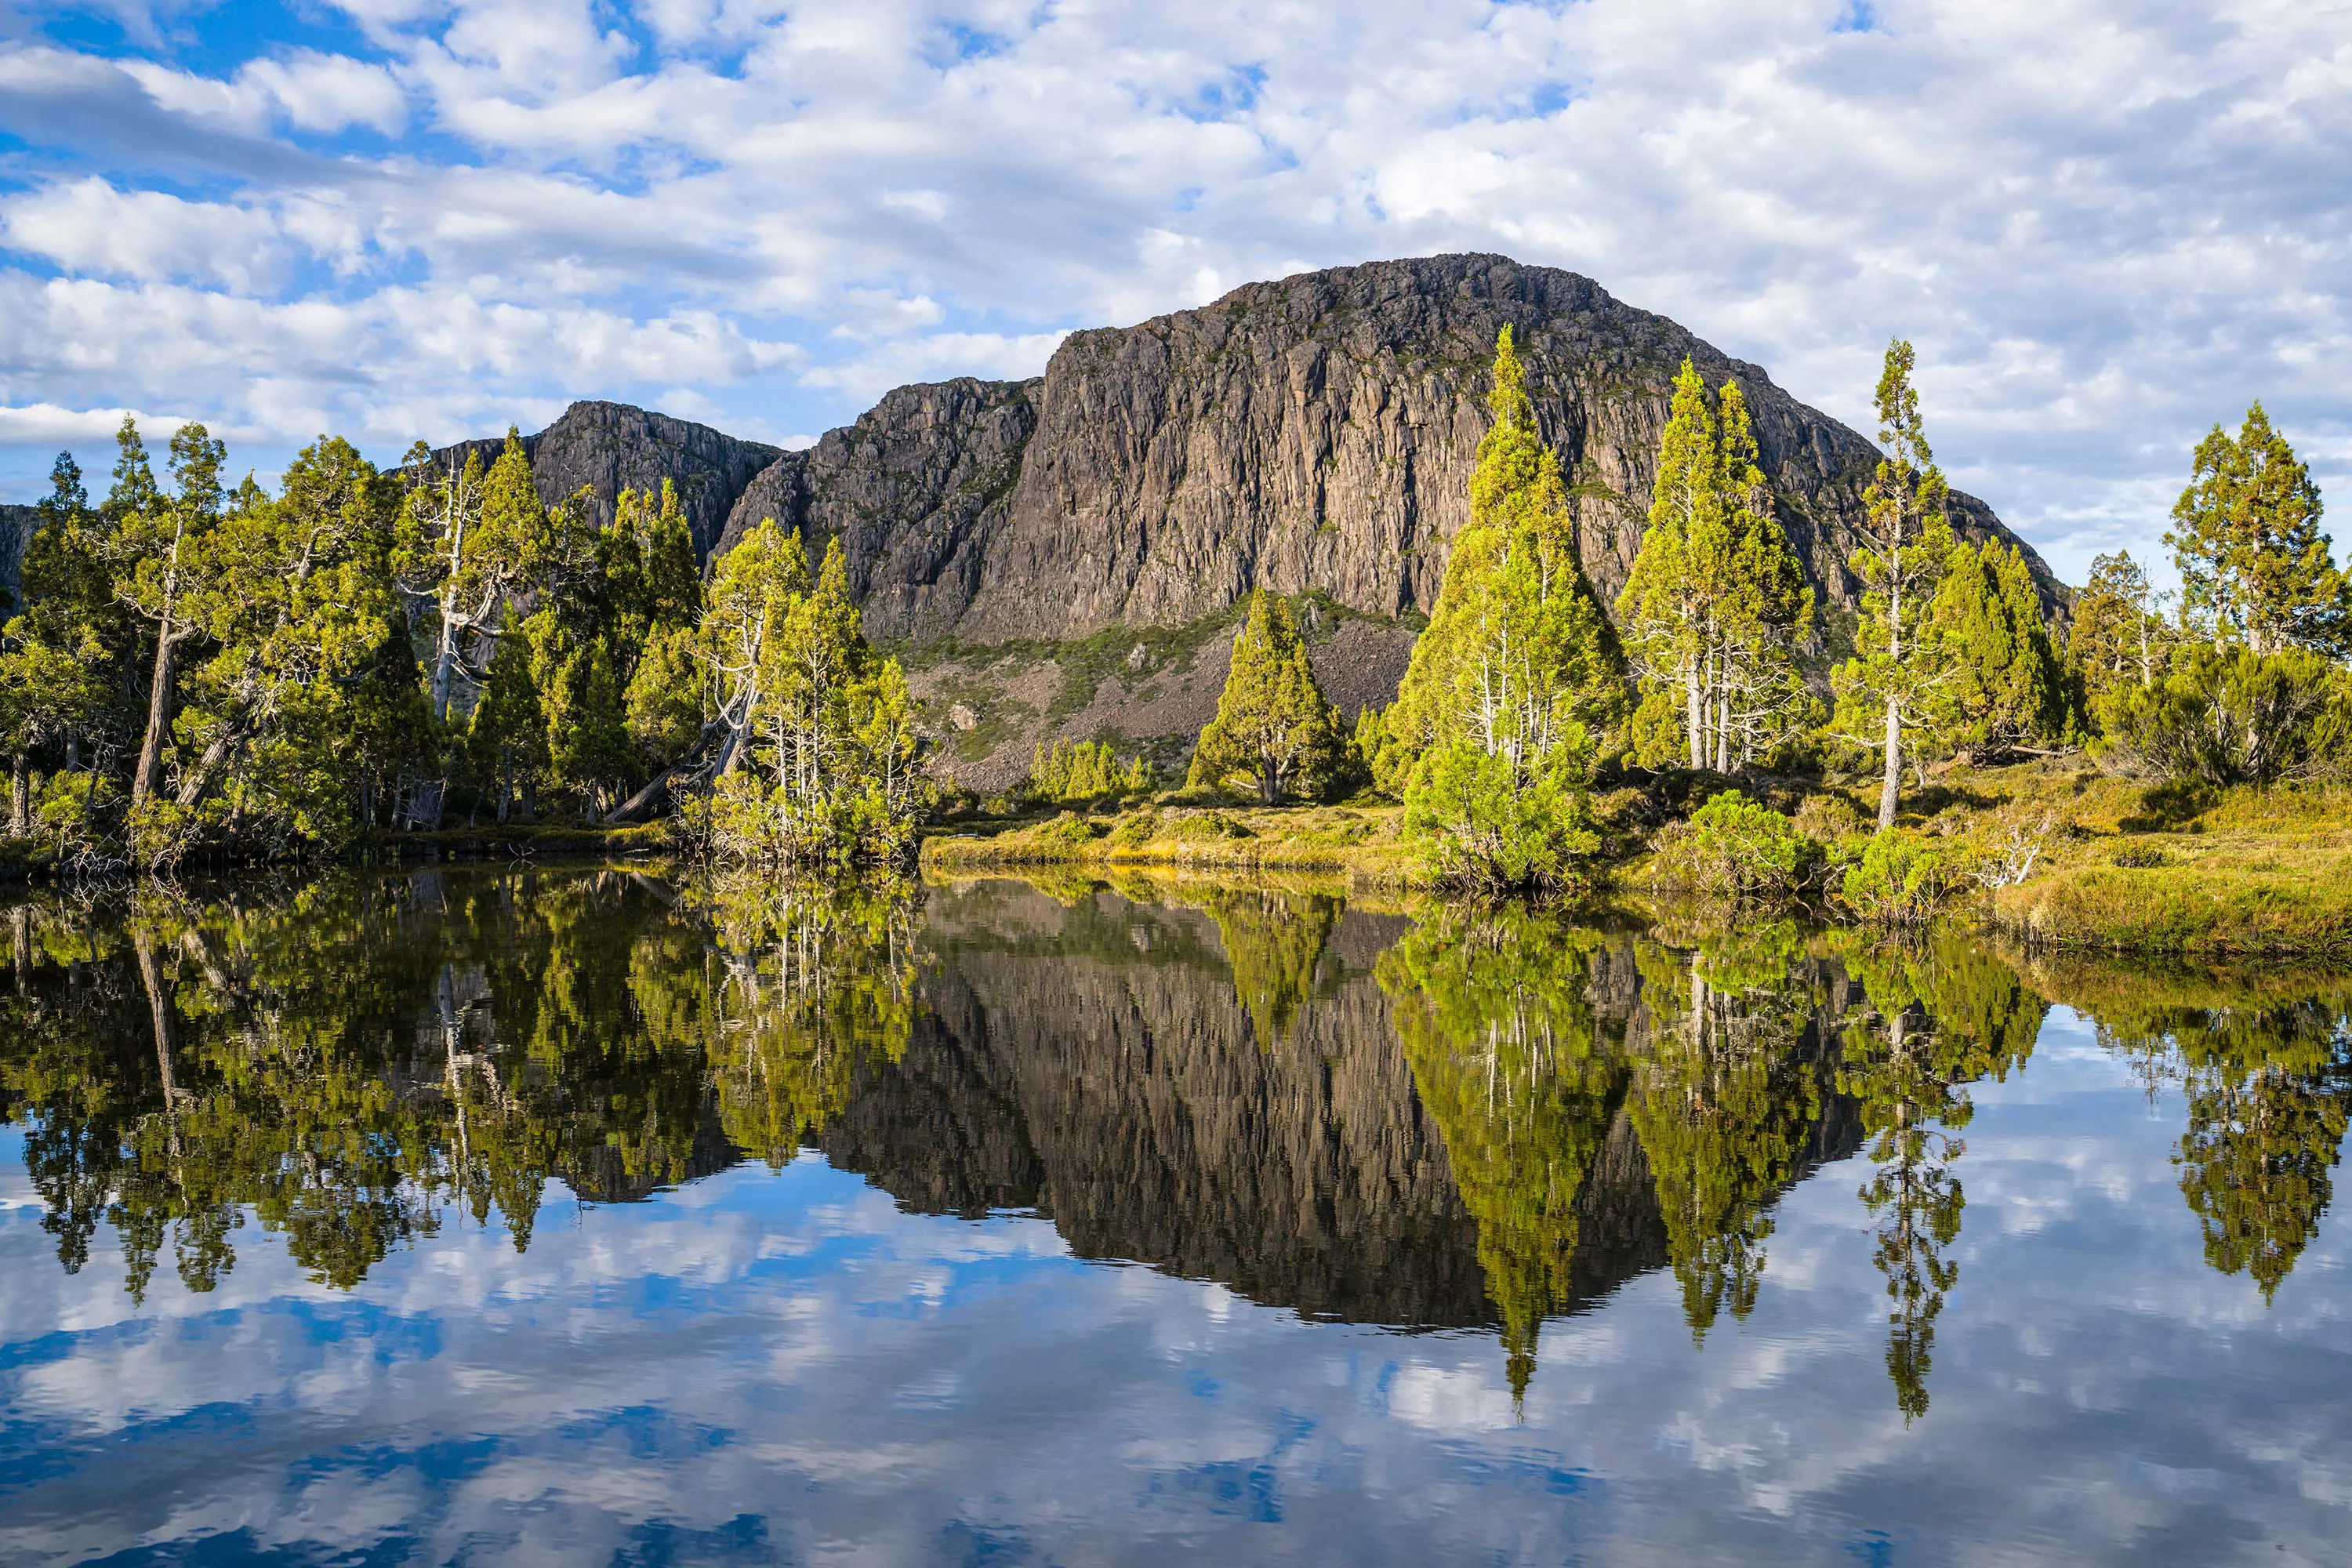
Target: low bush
point(1206, 825)
point(1830, 817)
point(2226, 716)
point(1736, 847)
point(2141, 857)
point(1067, 829)
point(1135, 830)
point(1903, 878)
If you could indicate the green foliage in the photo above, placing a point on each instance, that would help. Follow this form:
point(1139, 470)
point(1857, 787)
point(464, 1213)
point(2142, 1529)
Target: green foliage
point(1895, 683)
point(826, 721)
point(1085, 770)
point(1484, 823)
point(1272, 943)
point(1715, 603)
point(1903, 878)
point(2265, 1071)
point(2254, 567)
point(1492, 1012)
point(1273, 727)
point(1724, 1101)
point(1494, 728)
point(1737, 847)
point(347, 1067)
point(1941, 1016)
point(2118, 634)
point(2226, 715)
point(2007, 686)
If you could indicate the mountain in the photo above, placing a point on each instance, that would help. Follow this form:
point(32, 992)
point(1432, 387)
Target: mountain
point(608, 448)
point(1313, 434)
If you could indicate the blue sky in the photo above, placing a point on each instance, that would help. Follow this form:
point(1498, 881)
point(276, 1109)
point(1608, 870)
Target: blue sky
point(2106, 223)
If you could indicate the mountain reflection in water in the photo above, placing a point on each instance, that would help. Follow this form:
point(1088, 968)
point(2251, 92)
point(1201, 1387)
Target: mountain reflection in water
point(1479, 1121)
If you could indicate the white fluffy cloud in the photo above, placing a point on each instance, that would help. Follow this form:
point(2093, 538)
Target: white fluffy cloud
point(2106, 223)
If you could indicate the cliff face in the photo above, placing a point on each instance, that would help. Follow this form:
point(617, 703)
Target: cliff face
point(16, 526)
point(908, 491)
point(1314, 433)
point(607, 448)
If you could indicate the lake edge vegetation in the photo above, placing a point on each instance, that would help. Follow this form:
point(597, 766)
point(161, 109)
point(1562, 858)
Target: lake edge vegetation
point(205, 673)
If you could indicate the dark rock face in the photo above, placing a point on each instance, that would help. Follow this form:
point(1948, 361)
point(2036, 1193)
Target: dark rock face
point(1316, 432)
point(912, 490)
point(16, 526)
point(607, 448)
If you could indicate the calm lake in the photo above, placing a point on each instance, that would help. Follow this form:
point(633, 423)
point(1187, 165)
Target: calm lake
point(580, 1216)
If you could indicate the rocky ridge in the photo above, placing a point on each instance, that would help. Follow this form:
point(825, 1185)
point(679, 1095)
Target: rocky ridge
point(607, 448)
point(1313, 435)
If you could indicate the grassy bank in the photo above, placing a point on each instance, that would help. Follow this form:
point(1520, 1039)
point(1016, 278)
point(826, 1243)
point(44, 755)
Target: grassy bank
point(1359, 842)
point(2136, 869)
point(2238, 872)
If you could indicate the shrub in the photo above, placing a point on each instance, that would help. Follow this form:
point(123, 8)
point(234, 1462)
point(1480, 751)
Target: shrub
point(1207, 827)
point(1904, 878)
point(2227, 716)
point(1830, 817)
point(1485, 823)
point(1738, 848)
point(1067, 829)
point(2139, 856)
point(1135, 830)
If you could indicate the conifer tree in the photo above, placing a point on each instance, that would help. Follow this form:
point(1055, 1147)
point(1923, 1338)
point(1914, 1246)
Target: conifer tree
point(1273, 727)
point(1894, 682)
point(470, 539)
point(162, 553)
point(62, 655)
point(1715, 603)
point(2254, 567)
point(1766, 610)
point(2008, 687)
point(1495, 726)
point(587, 732)
point(1666, 610)
point(2118, 634)
point(296, 603)
point(507, 732)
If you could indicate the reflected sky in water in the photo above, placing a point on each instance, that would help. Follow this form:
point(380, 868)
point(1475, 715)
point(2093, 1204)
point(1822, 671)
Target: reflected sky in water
point(1183, 1228)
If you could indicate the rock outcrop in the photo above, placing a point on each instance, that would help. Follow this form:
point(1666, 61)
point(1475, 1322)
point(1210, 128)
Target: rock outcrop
point(1315, 433)
point(16, 526)
point(607, 448)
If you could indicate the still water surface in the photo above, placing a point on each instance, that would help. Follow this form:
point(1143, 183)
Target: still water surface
point(587, 1216)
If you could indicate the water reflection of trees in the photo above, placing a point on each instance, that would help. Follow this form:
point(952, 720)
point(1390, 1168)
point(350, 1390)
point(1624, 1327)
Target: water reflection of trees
point(1491, 1011)
point(352, 1060)
point(1727, 1098)
point(1938, 1015)
point(1273, 941)
point(1207, 1083)
point(2263, 1063)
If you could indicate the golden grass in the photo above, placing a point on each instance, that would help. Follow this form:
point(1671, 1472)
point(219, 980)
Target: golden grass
point(1360, 842)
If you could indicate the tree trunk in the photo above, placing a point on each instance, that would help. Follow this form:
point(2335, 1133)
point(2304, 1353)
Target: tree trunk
point(20, 797)
point(1696, 702)
point(1893, 783)
point(159, 1012)
point(159, 705)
